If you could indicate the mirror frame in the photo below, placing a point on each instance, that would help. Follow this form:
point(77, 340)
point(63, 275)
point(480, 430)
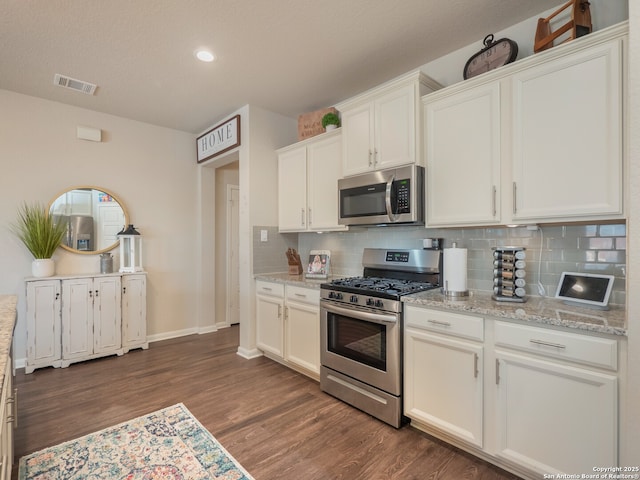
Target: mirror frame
point(91, 187)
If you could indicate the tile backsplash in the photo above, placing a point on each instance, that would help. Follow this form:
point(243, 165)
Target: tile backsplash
point(550, 250)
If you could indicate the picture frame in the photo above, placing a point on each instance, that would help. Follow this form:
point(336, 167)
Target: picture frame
point(319, 264)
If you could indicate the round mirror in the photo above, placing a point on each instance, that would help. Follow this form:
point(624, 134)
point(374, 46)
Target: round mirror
point(94, 217)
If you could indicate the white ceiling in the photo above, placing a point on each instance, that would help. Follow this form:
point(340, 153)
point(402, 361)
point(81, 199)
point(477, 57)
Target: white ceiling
point(287, 56)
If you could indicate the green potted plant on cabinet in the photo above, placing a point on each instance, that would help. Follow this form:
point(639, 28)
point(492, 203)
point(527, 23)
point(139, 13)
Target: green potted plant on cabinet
point(330, 121)
point(41, 235)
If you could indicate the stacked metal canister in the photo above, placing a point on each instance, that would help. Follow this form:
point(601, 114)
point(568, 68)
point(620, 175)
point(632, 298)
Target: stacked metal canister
point(509, 274)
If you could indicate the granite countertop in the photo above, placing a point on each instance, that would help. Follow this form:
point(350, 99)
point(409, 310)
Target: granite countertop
point(7, 323)
point(539, 311)
point(300, 280)
point(536, 310)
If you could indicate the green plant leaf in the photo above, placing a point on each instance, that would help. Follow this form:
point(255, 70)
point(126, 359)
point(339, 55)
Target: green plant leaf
point(37, 230)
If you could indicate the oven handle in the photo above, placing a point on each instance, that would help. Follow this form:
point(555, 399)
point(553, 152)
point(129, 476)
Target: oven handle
point(392, 217)
point(359, 314)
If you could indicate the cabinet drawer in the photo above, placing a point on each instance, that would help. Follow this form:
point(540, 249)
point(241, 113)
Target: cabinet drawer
point(599, 352)
point(467, 326)
point(303, 295)
point(268, 288)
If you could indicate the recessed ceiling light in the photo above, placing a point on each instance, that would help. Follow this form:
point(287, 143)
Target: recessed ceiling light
point(205, 55)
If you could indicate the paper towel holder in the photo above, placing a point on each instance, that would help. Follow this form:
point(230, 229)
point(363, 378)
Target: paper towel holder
point(453, 294)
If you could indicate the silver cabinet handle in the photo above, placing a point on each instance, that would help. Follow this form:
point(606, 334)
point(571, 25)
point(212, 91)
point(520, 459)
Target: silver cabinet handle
point(494, 201)
point(279, 311)
point(475, 365)
point(302, 217)
point(301, 295)
point(286, 313)
point(268, 289)
point(370, 158)
point(375, 156)
point(310, 220)
point(497, 372)
point(439, 323)
point(547, 344)
point(514, 198)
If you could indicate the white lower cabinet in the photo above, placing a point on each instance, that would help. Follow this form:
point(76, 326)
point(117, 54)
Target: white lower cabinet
point(91, 318)
point(43, 325)
point(8, 417)
point(534, 400)
point(288, 325)
point(443, 379)
point(554, 417)
point(76, 318)
point(134, 312)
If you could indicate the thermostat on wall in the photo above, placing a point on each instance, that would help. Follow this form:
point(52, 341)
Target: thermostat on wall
point(585, 289)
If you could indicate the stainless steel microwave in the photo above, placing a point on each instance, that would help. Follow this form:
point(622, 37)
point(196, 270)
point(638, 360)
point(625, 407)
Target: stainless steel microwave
point(385, 197)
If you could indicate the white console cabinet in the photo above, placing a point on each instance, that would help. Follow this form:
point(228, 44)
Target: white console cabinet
point(76, 318)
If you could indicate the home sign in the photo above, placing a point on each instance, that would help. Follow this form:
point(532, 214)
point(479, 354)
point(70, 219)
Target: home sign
point(219, 139)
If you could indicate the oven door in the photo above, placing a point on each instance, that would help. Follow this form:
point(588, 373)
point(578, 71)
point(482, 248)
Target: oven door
point(362, 345)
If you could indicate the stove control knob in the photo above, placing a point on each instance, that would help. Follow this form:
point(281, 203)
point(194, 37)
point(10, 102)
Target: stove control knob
point(371, 302)
point(332, 295)
point(338, 296)
point(354, 299)
point(379, 303)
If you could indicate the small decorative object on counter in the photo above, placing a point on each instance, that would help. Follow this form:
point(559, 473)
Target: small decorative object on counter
point(293, 259)
point(319, 264)
point(106, 263)
point(130, 250)
point(454, 265)
point(508, 274)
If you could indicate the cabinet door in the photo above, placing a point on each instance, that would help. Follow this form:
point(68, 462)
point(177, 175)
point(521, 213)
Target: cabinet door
point(77, 318)
point(395, 128)
point(567, 136)
point(462, 136)
point(107, 311)
point(324, 163)
point(292, 190)
point(134, 311)
point(7, 420)
point(269, 324)
point(357, 139)
point(443, 384)
point(43, 324)
point(554, 418)
point(302, 336)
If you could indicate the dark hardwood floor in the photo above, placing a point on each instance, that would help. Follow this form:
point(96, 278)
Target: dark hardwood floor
point(274, 421)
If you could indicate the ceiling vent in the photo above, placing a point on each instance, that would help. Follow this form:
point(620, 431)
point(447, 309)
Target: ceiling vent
point(73, 84)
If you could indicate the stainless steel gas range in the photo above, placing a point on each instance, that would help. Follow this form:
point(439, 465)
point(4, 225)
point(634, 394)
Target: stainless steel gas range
point(361, 328)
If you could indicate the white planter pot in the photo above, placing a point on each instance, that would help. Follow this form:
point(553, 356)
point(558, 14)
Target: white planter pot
point(330, 127)
point(43, 267)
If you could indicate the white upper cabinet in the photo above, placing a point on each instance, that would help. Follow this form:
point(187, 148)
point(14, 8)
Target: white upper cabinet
point(308, 174)
point(567, 136)
point(380, 128)
point(536, 141)
point(463, 156)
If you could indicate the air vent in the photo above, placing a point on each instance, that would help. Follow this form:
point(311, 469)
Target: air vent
point(73, 84)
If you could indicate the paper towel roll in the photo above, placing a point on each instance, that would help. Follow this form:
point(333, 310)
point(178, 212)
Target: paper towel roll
point(455, 271)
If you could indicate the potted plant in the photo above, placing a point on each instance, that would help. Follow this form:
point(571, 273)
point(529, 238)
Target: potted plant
point(330, 121)
point(41, 235)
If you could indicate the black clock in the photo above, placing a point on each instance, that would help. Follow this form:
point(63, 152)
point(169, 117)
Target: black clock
point(494, 55)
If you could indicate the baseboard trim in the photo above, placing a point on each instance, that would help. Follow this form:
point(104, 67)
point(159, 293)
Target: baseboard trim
point(249, 354)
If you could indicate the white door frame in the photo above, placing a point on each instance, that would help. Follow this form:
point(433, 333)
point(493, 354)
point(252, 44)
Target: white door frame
point(232, 260)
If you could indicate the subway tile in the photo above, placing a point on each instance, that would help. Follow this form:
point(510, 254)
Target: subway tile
point(613, 230)
point(595, 243)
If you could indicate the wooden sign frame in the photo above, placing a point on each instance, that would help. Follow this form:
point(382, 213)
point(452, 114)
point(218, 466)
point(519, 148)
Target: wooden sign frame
point(220, 139)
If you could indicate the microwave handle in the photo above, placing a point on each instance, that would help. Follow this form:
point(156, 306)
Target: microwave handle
point(392, 217)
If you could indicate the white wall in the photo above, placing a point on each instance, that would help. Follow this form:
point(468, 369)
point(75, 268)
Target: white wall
point(151, 170)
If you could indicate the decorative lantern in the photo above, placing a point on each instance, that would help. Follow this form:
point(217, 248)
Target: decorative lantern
point(130, 250)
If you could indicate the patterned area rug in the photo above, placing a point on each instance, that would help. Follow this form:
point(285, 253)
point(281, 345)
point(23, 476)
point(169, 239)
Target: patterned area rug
point(169, 444)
